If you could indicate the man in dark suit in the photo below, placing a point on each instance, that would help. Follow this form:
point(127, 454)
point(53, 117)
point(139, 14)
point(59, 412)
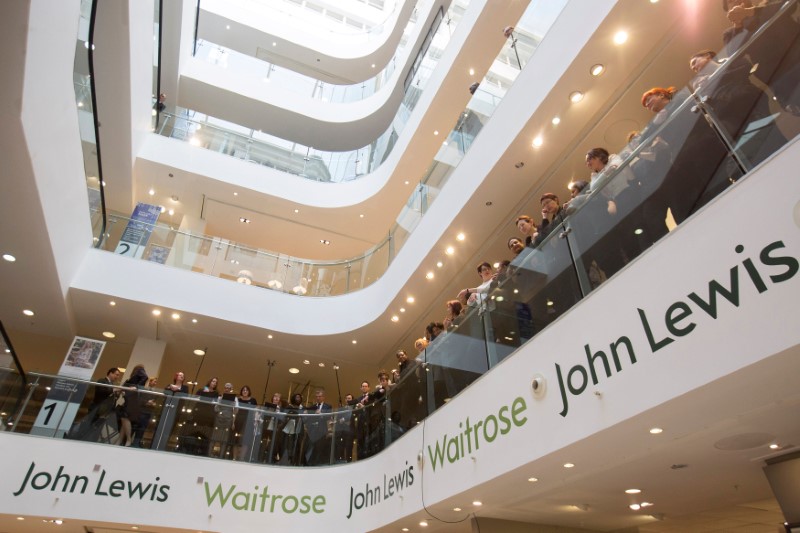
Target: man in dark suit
point(319, 440)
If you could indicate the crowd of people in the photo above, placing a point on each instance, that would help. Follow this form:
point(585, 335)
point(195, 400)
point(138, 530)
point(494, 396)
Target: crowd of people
point(629, 200)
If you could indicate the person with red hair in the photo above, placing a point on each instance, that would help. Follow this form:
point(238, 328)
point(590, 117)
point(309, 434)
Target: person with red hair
point(656, 101)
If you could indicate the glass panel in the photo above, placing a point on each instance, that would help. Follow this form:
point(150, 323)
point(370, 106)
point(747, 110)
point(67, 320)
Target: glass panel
point(678, 168)
point(457, 357)
point(541, 283)
point(754, 96)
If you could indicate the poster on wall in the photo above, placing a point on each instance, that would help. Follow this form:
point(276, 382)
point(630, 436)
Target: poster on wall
point(137, 232)
point(65, 396)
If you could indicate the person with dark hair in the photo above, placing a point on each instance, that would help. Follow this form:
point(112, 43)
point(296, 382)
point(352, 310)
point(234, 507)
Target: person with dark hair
point(433, 330)
point(292, 430)
point(552, 214)
point(528, 228)
point(128, 407)
point(403, 365)
point(476, 296)
point(241, 430)
point(101, 394)
point(703, 65)
point(319, 441)
point(451, 318)
point(515, 245)
point(211, 386)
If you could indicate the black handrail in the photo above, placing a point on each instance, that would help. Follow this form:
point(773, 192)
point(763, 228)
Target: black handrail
point(158, 106)
point(92, 20)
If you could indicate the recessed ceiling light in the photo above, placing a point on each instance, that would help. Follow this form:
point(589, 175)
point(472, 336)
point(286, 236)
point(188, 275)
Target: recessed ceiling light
point(410, 299)
point(620, 37)
point(108, 335)
point(10, 258)
point(395, 318)
point(450, 250)
point(537, 141)
point(556, 121)
point(322, 365)
point(402, 309)
point(355, 341)
point(533, 479)
point(575, 97)
point(274, 43)
point(175, 316)
point(306, 362)
point(269, 336)
point(635, 506)
point(20, 518)
point(472, 72)
point(361, 216)
point(550, 303)
point(404, 529)
point(423, 523)
point(199, 351)
point(134, 527)
point(151, 192)
point(244, 220)
point(568, 465)
point(653, 1)
point(227, 26)
point(439, 264)
point(27, 312)
point(162, 208)
point(236, 194)
point(406, 182)
point(656, 431)
point(632, 491)
point(429, 275)
point(774, 446)
point(460, 237)
point(294, 370)
point(436, 132)
point(456, 509)
point(477, 503)
point(112, 303)
point(296, 210)
point(597, 69)
point(171, 212)
point(325, 241)
point(638, 231)
point(194, 321)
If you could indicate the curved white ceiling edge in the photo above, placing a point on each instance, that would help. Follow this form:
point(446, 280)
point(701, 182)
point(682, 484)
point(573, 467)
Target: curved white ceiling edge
point(209, 296)
point(350, 49)
point(247, 100)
